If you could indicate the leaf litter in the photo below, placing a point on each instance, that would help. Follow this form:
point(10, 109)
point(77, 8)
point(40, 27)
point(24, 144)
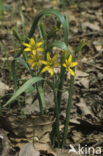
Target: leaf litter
point(86, 21)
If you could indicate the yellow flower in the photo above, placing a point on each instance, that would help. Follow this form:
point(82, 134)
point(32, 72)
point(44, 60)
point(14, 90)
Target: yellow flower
point(50, 64)
point(33, 46)
point(35, 61)
point(69, 64)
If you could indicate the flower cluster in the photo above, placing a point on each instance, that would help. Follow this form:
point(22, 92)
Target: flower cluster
point(35, 52)
point(36, 58)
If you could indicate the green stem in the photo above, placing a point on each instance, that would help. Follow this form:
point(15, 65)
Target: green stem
point(39, 89)
point(56, 132)
point(57, 119)
point(65, 133)
point(60, 88)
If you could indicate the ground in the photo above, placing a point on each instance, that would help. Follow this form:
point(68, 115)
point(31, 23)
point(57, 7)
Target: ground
point(86, 122)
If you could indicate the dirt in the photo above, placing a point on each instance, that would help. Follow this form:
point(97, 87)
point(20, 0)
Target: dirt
point(86, 122)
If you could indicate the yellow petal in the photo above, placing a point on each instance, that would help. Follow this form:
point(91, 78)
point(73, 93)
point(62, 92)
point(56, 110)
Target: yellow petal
point(48, 57)
point(66, 61)
point(64, 65)
point(27, 49)
point(27, 45)
point(54, 58)
point(73, 64)
point(40, 49)
point(57, 64)
point(32, 42)
point(34, 52)
point(51, 71)
point(65, 52)
point(30, 61)
point(43, 62)
point(44, 69)
point(38, 44)
point(70, 59)
point(71, 71)
point(33, 65)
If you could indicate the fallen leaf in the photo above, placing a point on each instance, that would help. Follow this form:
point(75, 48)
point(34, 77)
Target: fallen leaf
point(3, 88)
point(91, 26)
point(80, 73)
point(82, 79)
point(45, 147)
point(84, 108)
point(29, 150)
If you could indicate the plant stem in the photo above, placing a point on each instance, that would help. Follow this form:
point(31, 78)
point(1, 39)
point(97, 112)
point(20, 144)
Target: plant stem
point(56, 132)
point(65, 133)
point(39, 89)
point(60, 88)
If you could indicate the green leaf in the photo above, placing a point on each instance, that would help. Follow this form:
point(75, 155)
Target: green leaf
point(22, 89)
point(42, 31)
point(16, 34)
point(23, 24)
point(41, 97)
point(30, 90)
point(61, 45)
point(47, 12)
point(58, 44)
point(24, 64)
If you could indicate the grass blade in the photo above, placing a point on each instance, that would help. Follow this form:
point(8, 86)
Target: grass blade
point(47, 12)
point(41, 98)
point(24, 64)
point(22, 89)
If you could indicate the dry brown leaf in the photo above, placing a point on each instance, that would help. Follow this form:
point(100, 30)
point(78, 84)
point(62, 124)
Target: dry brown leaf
point(82, 78)
point(85, 82)
point(84, 108)
point(45, 147)
point(3, 88)
point(4, 143)
point(76, 136)
point(80, 73)
point(29, 150)
point(98, 46)
point(35, 128)
point(91, 26)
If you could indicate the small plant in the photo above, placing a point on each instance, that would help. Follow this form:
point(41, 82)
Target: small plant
point(41, 61)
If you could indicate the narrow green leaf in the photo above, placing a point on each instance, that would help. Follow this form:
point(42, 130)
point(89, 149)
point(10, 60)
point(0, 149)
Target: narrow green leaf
point(42, 29)
point(41, 96)
point(22, 89)
point(23, 24)
point(30, 90)
point(24, 64)
point(47, 12)
point(58, 44)
point(16, 34)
